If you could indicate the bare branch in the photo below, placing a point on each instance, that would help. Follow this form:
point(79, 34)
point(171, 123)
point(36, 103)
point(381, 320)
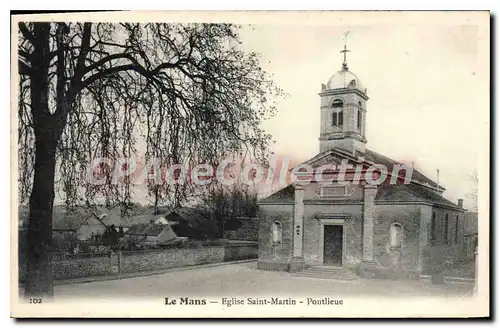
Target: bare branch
point(26, 32)
point(23, 68)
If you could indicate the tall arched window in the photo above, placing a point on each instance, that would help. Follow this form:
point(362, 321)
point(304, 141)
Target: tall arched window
point(276, 233)
point(337, 115)
point(359, 119)
point(433, 227)
point(396, 235)
point(338, 118)
point(456, 229)
point(446, 228)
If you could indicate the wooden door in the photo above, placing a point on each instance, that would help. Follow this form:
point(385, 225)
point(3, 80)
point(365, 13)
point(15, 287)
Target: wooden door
point(332, 247)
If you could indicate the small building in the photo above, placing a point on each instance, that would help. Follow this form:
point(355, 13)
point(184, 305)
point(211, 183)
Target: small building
point(161, 220)
point(150, 234)
point(92, 227)
point(79, 223)
point(191, 223)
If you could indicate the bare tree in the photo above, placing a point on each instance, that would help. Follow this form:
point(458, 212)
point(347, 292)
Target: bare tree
point(222, 204)
point(473, 194)
point(92, 90)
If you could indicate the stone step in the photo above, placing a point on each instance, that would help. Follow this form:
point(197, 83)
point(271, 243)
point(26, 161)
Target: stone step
point(323, 277)
point(332, 271)
point(320, 272)
point(331, 274)
point(327, 269)
point(318, 275)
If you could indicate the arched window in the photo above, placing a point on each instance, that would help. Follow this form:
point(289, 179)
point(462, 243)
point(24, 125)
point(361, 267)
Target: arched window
point(456, 229)
point(433, 227)
point(352, 84)
point(396, 235)
point(359, 119)
point(276, 233)
point(337, 103)
point(338, 118)
point(337, 115)
point(446, 228)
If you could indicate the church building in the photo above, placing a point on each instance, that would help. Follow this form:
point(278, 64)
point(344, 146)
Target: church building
point(400, 227)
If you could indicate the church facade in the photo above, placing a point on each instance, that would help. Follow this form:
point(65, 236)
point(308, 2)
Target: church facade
point(389, 225)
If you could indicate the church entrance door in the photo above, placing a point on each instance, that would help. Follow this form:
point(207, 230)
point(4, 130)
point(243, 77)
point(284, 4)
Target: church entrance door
point(332, 247)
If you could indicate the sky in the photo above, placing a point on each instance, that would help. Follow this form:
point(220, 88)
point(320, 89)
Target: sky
point(428, 87)
point(427, 75)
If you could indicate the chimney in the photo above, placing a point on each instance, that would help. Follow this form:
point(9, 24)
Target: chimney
point(437, 183)
point(460, 203)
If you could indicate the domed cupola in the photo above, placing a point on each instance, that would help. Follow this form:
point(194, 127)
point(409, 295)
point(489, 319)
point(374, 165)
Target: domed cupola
point(345, 79)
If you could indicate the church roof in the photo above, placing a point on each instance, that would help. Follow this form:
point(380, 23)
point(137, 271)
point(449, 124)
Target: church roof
point(369, 156)
point(385, 192)
point(344, 79)
point(417, 175)
point(420, 189)
point(284, 194)
point(409, 193)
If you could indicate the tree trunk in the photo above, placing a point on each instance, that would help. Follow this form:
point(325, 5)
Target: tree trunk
point(155, 210)
point(47, 129)
point(39, 236)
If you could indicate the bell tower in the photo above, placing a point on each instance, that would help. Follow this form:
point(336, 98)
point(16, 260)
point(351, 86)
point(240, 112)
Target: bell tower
point(343, 111)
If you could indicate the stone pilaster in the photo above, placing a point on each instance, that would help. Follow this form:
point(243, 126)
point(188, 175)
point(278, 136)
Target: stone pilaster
point(297, 262)
point(425, 219)
point(370, 192)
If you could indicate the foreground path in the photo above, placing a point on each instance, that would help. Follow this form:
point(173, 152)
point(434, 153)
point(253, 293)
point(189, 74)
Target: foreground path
point(243, 279)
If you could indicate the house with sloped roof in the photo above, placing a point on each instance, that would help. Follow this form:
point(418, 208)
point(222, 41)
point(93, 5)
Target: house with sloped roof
point(81, 223)
point(150, 234)
point(190, 222)
point(351, 209)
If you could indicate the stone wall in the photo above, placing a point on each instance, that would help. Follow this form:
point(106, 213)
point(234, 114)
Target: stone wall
point(439, 258)
point(240, 252)
point(403, 262)
point(275, 257)
point(441, 253)
point(169, 258)
point(91, 265)
point(73, 267)
point(440, 230)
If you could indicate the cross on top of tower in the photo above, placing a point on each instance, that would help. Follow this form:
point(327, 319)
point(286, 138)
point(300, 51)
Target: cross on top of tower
point(345, 51)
